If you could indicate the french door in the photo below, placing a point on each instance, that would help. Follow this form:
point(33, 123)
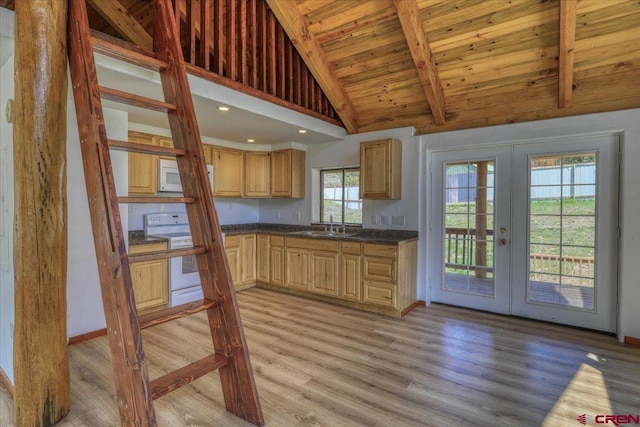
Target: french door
point(528, 230)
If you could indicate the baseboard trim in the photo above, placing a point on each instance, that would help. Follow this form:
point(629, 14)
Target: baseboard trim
point(413, 306)
point(85, 337)
point(632, 341)
point(6, 382)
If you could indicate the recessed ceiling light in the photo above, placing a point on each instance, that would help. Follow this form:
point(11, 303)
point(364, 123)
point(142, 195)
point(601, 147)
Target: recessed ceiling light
point(302, 131)
point(223, 108)
point(251, 140)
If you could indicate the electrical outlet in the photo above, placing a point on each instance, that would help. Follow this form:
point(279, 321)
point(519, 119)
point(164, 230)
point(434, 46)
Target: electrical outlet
point(374, 219)
point(276, 214)
point(384, 219)
point(397, 220)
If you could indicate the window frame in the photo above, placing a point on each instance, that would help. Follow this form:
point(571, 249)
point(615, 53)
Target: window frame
point(343, 170)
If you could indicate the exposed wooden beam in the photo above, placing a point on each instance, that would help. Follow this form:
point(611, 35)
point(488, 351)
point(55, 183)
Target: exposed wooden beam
point(566, 51)
point(119, 17)
point(409, 16)
point(311, 51)
point(40, 357)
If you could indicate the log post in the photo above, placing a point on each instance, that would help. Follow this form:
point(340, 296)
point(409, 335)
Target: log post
point(481, 220)
point(40, 358)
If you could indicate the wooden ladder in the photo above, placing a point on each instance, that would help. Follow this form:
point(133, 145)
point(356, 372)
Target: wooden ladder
point(135, 392)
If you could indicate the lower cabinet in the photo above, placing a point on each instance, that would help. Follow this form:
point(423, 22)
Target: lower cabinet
point(369, 276)
point(241, 256)
point(150, 279)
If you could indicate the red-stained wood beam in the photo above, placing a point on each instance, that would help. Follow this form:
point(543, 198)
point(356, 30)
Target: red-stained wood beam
point(244, 44)
point(316, 59)
point(206, 25)
point(409, 16)
point(232, 41)
point(566, 52)
point(119, 17)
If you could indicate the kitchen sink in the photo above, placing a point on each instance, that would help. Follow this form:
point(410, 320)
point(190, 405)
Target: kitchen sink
point(320, 233)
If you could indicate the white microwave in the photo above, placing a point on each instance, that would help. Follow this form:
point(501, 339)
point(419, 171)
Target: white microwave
point(169, 176)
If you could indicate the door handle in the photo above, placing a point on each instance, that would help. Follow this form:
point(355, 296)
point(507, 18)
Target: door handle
point(503, 241)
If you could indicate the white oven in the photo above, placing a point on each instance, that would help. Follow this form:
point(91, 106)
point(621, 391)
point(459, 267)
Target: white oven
point(169, 176)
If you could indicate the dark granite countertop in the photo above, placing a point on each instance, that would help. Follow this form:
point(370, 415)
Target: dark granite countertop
point(355, 234)
point(136, 237)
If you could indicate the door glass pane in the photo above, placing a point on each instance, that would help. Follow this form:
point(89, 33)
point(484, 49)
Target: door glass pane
point(562, 226)
point(469, 219)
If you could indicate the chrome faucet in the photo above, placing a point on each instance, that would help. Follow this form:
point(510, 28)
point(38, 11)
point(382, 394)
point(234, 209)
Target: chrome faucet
point(331, 223)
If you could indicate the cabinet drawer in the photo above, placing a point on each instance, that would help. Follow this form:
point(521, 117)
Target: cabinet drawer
point(313, 244)
point(380, 268)
point(351, 248)
point(387, 251)
point(380, 293)
point(231, 241)
point(277, 240)
point(150, 247)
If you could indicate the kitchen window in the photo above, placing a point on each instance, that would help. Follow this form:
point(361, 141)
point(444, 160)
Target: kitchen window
point(340, 196)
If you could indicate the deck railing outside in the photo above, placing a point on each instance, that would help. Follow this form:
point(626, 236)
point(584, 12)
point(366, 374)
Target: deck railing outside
point(461, 244)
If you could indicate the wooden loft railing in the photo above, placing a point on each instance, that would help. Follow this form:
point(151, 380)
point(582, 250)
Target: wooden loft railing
point(240, 44)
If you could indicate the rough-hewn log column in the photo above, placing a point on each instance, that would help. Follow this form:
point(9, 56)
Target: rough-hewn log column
point(41, 366)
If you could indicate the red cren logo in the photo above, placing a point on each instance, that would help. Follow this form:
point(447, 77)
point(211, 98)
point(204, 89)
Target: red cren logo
point(582, 419)
point(618, 420)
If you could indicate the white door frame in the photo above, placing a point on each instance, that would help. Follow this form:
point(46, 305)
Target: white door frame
point(431, 149)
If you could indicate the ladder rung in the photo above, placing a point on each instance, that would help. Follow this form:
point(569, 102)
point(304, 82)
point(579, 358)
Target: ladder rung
point(169, 253)
point(153, 199)
point(183, 376)
point(135, 147)
point(125, 51)
point(177, 312)
point(135, 100)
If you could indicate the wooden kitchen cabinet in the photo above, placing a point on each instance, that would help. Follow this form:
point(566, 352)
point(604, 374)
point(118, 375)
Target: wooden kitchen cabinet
point(257, 174)
point(381, 169)
point(287, 173)
point(228, 172)
point(350, 271)
point(143, 168)
point(297, 268)
point(150, 279)
point(241, 256)
point(262, 258)
point(323, 274)
point(276, 260)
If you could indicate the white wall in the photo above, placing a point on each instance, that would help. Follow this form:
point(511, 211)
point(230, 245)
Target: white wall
point(628, 123)
point(84, 301)
point(347, 153)
point(6, 223)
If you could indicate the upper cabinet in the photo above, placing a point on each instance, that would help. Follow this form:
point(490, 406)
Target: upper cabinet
point(228, 171)
point(257, 174)
point(381, 169)
point(287, 173)
point(143, 168)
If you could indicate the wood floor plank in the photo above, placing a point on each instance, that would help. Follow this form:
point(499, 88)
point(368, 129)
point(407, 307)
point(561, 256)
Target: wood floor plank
point(320, 365)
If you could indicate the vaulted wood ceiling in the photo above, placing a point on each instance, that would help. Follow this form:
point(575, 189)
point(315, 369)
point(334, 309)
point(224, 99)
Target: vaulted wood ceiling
point(442, 65)
point(496, 61)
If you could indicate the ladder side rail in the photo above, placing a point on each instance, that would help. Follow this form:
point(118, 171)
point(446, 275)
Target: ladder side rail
point(238, 383)
point(130, 372)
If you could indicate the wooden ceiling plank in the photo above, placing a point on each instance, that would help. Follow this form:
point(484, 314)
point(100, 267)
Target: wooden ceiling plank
point(411, 23)
point(566, 52)
point(120, 18)
point(315, 58)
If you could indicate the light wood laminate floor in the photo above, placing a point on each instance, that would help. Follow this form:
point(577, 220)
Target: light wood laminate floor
point(321, 365)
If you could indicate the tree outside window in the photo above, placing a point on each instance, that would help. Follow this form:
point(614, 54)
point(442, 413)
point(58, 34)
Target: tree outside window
point(340, 196)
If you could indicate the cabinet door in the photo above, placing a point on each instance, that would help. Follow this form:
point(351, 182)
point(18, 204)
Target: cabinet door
point(381, 169)
point(276, 265)
point(232, 249)
point(248, 254)
point(350, 277)
point(263, 258)
point(297, 266)
point(257, 178)
point(149, 279)
point(281, 173)
point(380, 293)
point(143, 168)
point(228, 172)
point(324, 273)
